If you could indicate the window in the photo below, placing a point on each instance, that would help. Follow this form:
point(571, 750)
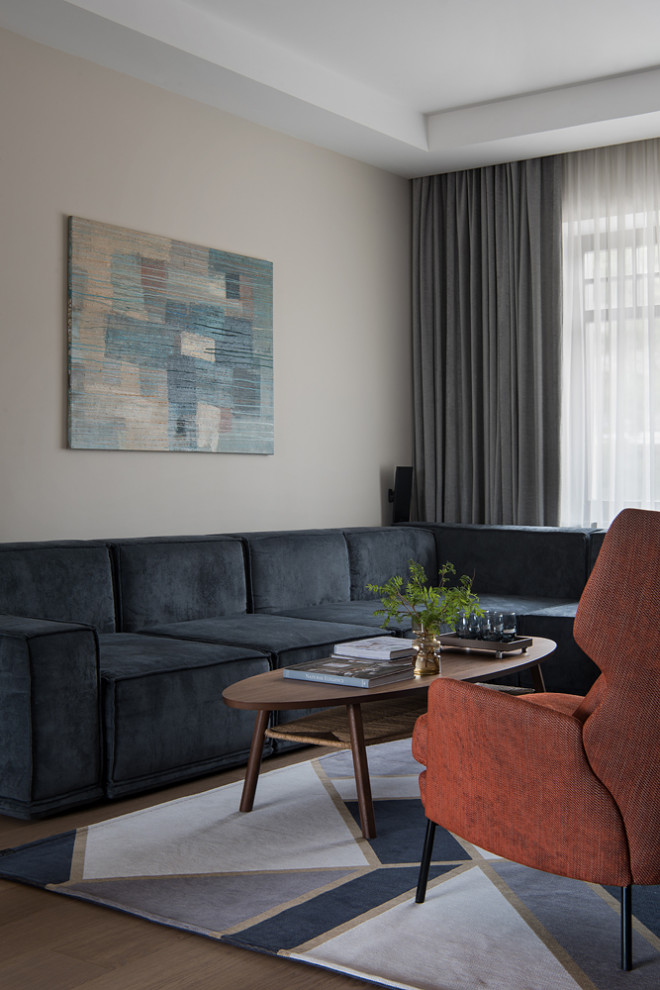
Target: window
point(611, 333)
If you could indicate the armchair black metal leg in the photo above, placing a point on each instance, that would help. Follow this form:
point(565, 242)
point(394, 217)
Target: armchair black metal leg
point(426, 861)
point(626, 928)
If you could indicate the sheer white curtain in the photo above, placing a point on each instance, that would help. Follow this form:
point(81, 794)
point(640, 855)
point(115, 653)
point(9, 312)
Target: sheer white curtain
point(610, 433)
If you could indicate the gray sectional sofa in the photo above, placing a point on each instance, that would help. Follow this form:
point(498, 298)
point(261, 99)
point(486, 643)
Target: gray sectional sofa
point(537, 572)
point(114, 654)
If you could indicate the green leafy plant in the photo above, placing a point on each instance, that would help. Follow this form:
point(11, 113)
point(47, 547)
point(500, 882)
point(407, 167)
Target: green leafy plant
point(429, 606)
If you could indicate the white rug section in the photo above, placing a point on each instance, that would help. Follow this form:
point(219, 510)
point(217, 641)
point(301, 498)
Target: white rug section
point(294, 825)
point(388, 759)
point(465, 936)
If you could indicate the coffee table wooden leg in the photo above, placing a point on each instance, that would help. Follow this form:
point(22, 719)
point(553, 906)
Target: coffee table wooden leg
point(254, 761)
point(537, 678)
point(361, 768)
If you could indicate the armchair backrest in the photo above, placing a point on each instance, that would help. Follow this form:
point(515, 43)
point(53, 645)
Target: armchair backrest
point(618, 626)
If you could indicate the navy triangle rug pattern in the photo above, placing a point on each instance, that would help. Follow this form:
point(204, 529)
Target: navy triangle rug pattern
point(296, 878)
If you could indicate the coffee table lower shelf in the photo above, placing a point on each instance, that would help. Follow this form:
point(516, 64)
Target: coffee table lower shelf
point(382, 722)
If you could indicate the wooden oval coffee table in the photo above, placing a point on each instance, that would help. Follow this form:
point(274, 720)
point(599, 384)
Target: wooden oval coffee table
point(265, 693)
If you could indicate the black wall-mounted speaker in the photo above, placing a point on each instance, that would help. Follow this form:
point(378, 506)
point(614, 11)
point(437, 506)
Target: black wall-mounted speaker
point(401, 494)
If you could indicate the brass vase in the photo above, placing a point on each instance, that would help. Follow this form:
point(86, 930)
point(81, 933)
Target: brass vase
point(428, 652)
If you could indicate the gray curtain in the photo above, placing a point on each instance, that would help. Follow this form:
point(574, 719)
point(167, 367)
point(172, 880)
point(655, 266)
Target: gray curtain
point(486, 343)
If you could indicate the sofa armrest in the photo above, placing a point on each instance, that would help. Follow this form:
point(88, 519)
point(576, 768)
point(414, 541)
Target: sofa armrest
point(50, 734)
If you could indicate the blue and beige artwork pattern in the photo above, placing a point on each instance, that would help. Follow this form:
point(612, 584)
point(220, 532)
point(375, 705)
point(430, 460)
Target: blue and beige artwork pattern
point(170, 344)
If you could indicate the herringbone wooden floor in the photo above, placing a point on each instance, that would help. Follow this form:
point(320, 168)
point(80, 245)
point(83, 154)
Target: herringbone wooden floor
point(50, 942)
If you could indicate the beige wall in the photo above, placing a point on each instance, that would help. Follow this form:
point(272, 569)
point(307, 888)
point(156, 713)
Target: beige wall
point(82, 140)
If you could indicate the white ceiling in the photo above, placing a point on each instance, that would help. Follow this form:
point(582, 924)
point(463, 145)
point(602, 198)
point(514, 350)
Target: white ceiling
point(412, 86)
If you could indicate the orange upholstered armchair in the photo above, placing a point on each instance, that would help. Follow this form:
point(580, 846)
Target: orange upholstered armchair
point(557, 782)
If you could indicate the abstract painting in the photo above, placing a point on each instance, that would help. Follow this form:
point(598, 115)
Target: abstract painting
point(170, 344)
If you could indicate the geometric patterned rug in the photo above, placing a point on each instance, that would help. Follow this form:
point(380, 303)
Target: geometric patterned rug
point(296, 878)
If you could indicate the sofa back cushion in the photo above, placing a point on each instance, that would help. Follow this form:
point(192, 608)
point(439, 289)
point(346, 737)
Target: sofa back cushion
point(297, 569)
point(177, 580)
point(596, 537)
point(66, 582)
point(377, 553)
point(545, 562)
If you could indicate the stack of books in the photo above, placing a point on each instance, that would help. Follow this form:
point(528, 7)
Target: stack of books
point(361, 663)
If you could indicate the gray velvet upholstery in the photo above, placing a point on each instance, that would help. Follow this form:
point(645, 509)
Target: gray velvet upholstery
point(176, 581)
point(285, 639)
point(322, 575)
point(376, 554)
point(126, 647)
point(288, 640)
point(67, 582)
point(569, 669)
point(538, 573)
point(522, 604)
point(50, 734)
point(596, 537)
point(516, 560)
point(298, 569)
point(163, 712)
point(361, 613)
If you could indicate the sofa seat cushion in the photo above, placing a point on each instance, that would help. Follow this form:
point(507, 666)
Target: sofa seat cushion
point(565, 610)
point(288, 640)
point(524, 604)
point(164, 717)
point(352, 612)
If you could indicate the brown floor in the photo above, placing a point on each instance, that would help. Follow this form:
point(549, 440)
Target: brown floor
point(50, 942)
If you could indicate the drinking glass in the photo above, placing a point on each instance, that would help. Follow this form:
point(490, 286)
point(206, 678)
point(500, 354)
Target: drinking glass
point(463, 626)
point(475, 626)
point(492, 625)
point(509, 626)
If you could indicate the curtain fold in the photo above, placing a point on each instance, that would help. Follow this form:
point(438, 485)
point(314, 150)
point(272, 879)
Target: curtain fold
point(486, 343)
